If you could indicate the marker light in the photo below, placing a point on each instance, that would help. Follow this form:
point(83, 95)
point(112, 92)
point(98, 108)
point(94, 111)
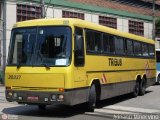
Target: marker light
point(54, 97)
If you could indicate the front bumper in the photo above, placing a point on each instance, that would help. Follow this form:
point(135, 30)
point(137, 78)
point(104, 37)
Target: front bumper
point(35, 97)
point(71, 97)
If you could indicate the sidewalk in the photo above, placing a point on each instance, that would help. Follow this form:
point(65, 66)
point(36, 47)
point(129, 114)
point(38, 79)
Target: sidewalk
point(2, 94)
point(2, 88)
point(1, 83)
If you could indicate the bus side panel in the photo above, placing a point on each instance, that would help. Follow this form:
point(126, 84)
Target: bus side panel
point(118, 79)
point(116, 89)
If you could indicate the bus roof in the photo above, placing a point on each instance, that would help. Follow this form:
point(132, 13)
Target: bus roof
point(80, 23)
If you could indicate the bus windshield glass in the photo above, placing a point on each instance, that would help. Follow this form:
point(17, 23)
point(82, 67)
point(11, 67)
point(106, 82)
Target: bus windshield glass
point(38, 46)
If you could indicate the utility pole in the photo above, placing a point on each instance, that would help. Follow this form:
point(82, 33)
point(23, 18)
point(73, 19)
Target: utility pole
point(43, 14)
point(4, 41)
point(153, 12)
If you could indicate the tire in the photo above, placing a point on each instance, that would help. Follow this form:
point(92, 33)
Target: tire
point(136, 89)
point(158, 80)
point(42, 107)
point(92, 99)
point(142, 87)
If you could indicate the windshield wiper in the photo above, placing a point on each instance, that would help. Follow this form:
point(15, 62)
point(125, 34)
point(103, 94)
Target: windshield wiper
point(45, 65)
point(18, 65)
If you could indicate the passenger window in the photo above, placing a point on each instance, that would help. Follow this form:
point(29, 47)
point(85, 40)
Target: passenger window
point(151, 50)
point(108, 44)
point(89, 41)
point(93, 41)
point(137, 49)
point(119, 45)
point(97, 47)
point(129, 47)
point(145, 50)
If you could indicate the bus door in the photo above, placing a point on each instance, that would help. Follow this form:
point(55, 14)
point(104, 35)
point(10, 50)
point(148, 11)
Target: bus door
point(79, 58)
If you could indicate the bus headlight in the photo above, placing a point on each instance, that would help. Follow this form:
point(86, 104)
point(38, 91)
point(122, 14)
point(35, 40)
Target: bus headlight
point(10, 94)
point(61, 97)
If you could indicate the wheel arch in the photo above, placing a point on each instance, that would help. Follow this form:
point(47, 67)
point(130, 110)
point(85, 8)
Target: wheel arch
point(158, 77)
point(138, 78)
point(145, 77)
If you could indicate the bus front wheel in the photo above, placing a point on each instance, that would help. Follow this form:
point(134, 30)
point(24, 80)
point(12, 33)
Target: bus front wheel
point(92, 99)
point(42, 107)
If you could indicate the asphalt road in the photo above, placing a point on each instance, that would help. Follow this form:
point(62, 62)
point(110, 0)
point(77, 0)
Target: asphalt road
point(122, 107)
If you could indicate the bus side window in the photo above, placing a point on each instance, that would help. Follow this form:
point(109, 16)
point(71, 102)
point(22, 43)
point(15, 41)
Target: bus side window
point(129, 47)
point(90, 44)
point(119, 45)
point(97, 47)
point(79, 47)
point(137, 48)
point(151, 51)
point(108, 44)
point(145, 50)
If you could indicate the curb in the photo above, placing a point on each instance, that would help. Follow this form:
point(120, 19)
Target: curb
point(1, 85)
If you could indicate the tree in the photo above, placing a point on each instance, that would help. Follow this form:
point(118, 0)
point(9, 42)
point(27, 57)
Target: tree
point(158, 27)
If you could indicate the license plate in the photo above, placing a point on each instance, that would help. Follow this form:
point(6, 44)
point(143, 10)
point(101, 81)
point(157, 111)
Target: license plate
point(32, 98)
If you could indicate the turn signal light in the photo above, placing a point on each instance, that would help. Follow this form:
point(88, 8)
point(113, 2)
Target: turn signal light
point(8, 88)
point(61, 89)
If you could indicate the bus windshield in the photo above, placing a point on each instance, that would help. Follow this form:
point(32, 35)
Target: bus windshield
point(38, 46)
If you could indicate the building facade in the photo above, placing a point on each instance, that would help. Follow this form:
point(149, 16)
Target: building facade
point(124, 15)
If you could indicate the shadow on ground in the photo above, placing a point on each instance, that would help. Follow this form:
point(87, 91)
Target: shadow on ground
point(62, 111)
point(116, 100)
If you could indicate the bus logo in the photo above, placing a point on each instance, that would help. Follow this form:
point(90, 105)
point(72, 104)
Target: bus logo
point(115, 62)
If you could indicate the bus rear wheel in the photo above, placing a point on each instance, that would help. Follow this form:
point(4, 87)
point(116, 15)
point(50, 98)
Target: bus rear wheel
point(158, 80)
point(136, 89)
point(142, 87)
point(92, 99)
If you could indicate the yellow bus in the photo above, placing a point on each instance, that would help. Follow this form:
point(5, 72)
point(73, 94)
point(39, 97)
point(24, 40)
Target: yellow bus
point(70, 61)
